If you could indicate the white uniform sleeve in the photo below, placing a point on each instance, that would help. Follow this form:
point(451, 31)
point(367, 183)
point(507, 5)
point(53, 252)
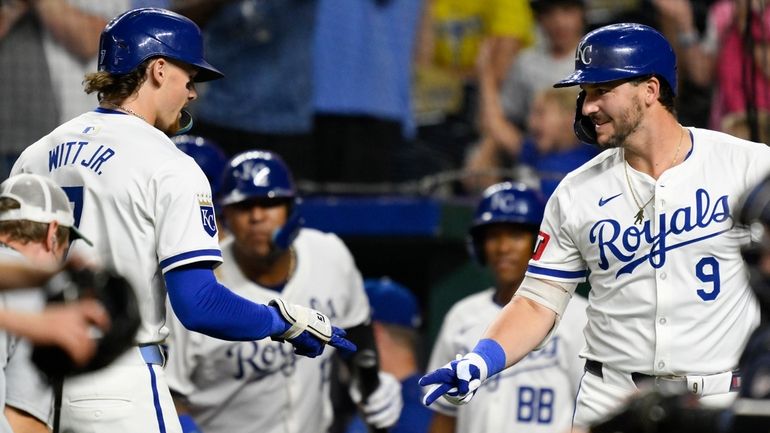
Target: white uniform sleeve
point(185, 224)
point(556, 255)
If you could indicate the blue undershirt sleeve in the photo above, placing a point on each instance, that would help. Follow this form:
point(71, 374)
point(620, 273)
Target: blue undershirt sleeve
point(203, 305)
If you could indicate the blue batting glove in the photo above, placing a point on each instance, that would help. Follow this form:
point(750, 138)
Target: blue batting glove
point(458, 380)
point(306, 344)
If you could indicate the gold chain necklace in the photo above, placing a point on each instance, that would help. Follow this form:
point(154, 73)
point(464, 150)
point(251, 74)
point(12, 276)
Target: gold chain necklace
point(639, 217)
point(129, 111)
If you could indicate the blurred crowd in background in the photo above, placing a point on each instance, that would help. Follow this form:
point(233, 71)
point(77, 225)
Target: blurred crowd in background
point(438, 98)
point(372, 96)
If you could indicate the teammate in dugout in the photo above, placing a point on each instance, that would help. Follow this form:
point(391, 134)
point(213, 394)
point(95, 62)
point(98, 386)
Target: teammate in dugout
point(651, 222)
point(147, 208)
point(270, 254)
point(538, 394)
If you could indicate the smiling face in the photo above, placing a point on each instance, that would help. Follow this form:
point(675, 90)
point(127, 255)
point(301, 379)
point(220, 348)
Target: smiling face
point(508, 248)
point(617, 110)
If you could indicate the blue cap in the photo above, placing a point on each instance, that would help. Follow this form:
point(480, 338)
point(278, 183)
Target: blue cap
point(392, 303)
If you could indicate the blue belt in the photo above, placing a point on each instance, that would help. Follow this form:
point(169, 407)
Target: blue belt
point(153, 354)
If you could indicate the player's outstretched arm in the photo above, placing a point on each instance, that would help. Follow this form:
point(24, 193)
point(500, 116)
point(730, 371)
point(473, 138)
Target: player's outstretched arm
point(519, 328)
point(203, 305)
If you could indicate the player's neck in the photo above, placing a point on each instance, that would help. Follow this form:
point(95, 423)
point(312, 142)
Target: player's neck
point(266, 271)
point(655, 150)
point(504, 291)
point(399, 361)
point(134, 105)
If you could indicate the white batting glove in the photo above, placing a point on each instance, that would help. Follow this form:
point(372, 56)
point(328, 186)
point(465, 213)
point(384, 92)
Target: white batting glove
point(309, 330)
point(383, 407)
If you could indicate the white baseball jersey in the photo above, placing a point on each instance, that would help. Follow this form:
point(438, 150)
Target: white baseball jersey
point(261, 386)
point(536, 394)
point(23, 387)
point(147, 208)
point(670, 295)
point(144, 204)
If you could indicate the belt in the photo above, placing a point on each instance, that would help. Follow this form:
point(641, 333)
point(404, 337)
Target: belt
point(674, 384)
point(153, 354)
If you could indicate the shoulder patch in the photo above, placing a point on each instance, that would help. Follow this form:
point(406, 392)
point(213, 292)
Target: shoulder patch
point(208, 219)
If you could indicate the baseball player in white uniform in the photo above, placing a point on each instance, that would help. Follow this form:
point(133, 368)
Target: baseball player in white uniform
point(269, 254)
point(538, 393)
point(650, 222)
point(147, 207)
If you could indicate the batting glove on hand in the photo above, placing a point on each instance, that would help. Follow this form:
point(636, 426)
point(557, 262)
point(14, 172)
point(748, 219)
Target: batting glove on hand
point(382, 408)
point(309, 330)
point(458, 380)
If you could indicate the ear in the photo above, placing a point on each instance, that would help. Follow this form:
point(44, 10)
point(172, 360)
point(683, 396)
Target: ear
point(50, 237)
point(157, 70)
point(652, 90)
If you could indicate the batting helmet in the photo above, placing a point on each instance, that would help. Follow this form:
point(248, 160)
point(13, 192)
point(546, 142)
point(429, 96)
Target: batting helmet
point(619, 51)
point(262, 174)
point(140, 34)
point(209, 156)
point(508, 203)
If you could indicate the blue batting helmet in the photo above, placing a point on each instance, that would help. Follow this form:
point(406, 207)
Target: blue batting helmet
point(140, 34)
point(262, 174)
point(619, 51)
point(508, 203)
point(209, 156)
point(392, 303)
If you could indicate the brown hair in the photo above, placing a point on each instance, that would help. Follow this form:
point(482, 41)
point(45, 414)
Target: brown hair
point(666, 98)
point(25, 231)
point(116, 88)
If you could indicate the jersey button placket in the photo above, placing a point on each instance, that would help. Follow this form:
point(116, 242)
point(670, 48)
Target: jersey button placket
point(662, 292)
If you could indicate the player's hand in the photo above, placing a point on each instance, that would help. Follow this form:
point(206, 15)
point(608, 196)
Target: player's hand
point(383, 407)
point(309, 330)
point(70, 327)
point(457, 381)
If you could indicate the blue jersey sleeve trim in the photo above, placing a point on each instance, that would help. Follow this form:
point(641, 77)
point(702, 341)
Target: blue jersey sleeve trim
point(567, 275)
point(213, 255)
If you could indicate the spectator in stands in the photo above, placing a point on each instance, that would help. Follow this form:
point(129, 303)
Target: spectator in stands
point(551, 149)
point(264, 48)
point(732, 55)
point(464, 51)
point(362, 75)
point(562, 23)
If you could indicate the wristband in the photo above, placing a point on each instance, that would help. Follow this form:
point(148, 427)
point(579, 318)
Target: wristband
point(492, 353)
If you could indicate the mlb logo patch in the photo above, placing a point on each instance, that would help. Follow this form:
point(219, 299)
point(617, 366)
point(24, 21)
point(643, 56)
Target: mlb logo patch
point(208, 219)
point(540, 244)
